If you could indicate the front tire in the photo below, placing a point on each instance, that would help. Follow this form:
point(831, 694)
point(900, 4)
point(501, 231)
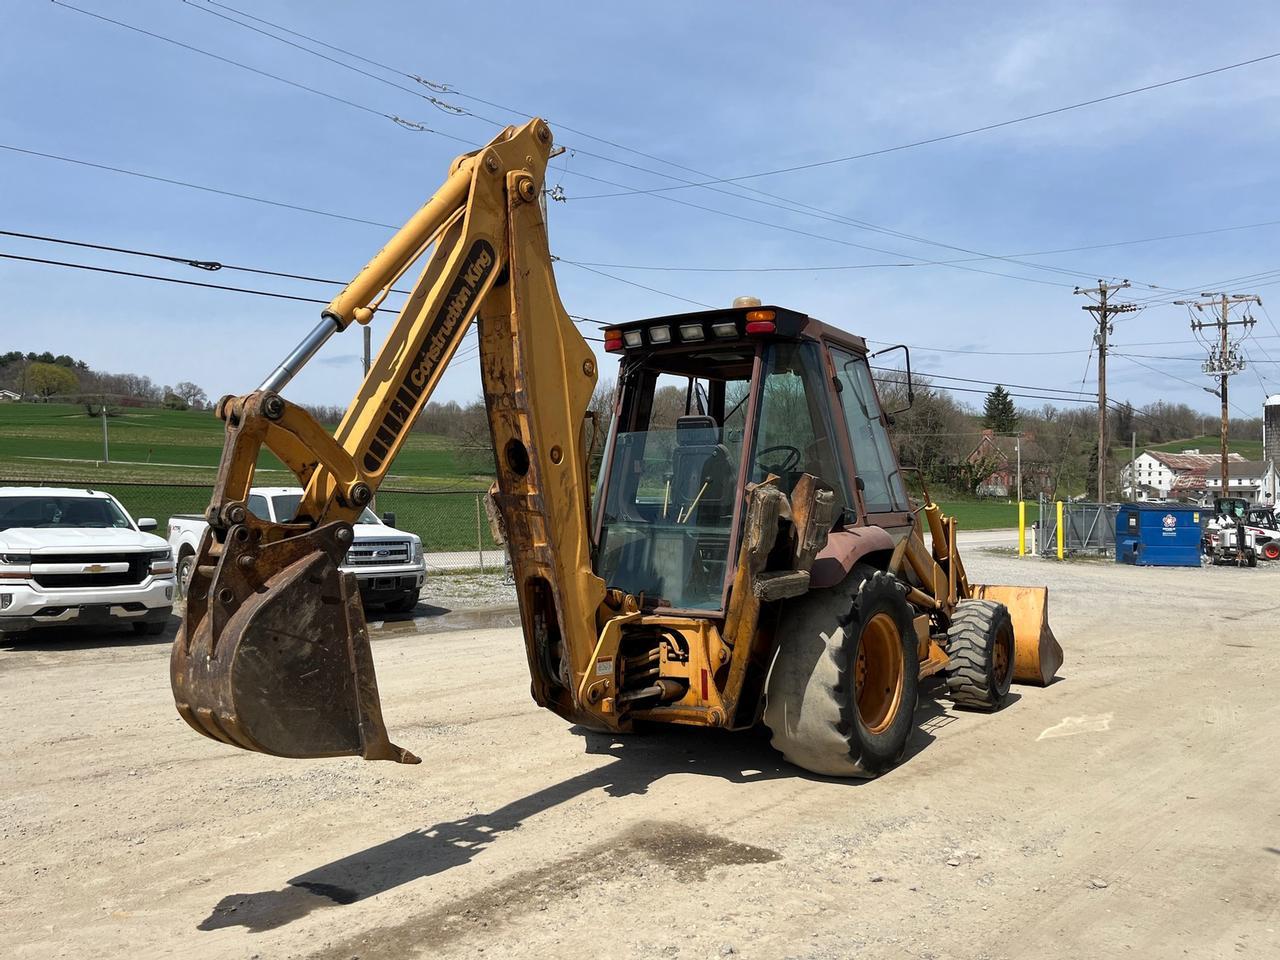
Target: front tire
point(186, 564)
point(841, 695)
point(980, 645)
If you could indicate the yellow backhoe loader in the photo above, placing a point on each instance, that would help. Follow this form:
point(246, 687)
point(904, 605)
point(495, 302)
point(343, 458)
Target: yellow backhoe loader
point(751, 554)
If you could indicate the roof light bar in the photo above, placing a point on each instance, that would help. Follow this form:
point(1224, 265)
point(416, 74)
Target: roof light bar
point(725, 330)
point(631, 338)
point(692, 332)
point(660, 334)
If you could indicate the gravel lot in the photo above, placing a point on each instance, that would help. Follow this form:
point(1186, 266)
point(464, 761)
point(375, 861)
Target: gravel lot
point(1128, 810)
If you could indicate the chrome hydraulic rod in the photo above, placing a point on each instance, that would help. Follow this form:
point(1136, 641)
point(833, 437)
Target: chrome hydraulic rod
point(303, 352)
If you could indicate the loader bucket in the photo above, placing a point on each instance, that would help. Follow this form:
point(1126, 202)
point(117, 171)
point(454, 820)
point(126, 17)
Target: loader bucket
point(273, 654)
point(1036, 653)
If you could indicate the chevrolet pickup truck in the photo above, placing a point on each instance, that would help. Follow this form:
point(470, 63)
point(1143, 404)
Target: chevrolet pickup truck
point(77, 558)
point(387, 562)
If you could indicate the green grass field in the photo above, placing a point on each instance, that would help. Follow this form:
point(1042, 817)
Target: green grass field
point(987, 514)
point(59, 442)
point(1249, 449)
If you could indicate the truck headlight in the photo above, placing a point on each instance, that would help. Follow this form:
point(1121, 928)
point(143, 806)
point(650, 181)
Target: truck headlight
point(15, 566)
point(161, 562)
point(417, 550)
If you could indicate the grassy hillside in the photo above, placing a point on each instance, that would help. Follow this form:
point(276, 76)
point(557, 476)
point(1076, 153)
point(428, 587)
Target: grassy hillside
point(1249, 449)
point(59, 442)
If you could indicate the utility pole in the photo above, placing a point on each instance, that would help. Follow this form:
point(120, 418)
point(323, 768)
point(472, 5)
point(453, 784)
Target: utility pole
point(1103, 311)
point(1133, 466)
point(1018, 445)
point(1224, 357)
point(106, 449)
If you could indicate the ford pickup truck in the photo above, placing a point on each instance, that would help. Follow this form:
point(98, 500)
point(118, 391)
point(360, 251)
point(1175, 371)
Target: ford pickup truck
point(387, 562)
point(77, 558)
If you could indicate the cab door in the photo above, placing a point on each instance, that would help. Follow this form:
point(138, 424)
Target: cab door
point(878, 476)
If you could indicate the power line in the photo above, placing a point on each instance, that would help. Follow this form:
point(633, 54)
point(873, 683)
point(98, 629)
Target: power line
point(196, 186)
point(413, 125)
point(965, 133)
point(152, 276)
point(399, 121)
point(791, 206)
point(865, 266)
point(210, 265)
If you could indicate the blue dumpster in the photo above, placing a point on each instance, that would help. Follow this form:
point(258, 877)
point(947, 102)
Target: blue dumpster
point(1158, 534)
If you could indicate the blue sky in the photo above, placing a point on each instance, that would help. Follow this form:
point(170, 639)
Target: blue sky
point(723, 88)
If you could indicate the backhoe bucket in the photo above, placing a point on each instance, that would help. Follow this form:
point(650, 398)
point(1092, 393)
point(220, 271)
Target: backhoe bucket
point(273, 654)
point(1036, 654)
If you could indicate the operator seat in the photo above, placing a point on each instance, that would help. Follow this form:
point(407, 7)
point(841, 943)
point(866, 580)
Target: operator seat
point(700, 458)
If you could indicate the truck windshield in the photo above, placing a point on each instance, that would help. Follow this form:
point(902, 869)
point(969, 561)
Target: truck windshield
point(62, 512)
point(286, 508)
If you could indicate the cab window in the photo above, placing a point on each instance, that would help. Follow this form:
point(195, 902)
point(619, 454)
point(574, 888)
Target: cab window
point(874, 463)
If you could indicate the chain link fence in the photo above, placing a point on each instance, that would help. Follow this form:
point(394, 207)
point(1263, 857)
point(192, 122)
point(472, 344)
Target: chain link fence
point(1088, 528)
point(452, 524)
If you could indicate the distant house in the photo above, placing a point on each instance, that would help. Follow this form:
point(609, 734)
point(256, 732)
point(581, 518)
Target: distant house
point(1255, 480)
point(1037, 478)
point(1171, 476)
point(8, 396)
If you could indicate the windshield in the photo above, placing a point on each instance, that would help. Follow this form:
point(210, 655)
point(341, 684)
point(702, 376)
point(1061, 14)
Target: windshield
point(670, 486)
point(286, 508)
point(62, 512)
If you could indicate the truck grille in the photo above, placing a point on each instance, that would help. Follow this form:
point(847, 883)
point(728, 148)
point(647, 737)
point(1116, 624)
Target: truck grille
point(139, 564)
point(368, 553)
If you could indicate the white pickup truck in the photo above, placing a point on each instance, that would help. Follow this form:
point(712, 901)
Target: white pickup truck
point(76, 558)
point(387, 562)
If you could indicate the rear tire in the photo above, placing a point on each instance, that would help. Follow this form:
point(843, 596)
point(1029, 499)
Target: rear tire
point(980, 645)
point(1253, 558)
point(1271, 550)
point(841, 695)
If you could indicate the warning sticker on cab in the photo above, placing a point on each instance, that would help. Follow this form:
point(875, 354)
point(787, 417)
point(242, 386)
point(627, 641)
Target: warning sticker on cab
point(604, 667)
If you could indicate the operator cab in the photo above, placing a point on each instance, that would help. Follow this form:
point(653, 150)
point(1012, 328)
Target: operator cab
point(711, 402)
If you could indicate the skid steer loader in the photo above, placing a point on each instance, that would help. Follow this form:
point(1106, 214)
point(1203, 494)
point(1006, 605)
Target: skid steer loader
point(751, 553)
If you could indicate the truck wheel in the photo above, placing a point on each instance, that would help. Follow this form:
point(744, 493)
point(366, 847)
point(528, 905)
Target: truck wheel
point(841, 695)
point(1253, 558)
point(980, 645)
point(186, 564)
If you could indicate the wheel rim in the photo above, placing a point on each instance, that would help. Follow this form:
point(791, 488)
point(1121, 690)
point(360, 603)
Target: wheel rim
point(184, 575)
point(878, 678)
point(1271, 551)
point(1002, 659)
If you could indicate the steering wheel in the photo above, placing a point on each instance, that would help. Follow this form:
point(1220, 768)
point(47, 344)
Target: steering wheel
point(786, 466)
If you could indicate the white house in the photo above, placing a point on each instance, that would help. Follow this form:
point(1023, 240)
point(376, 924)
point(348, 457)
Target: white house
point(1254, 480)
point(1156, 472)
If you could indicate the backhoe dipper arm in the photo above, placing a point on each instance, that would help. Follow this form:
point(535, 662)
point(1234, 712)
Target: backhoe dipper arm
point(242, 671)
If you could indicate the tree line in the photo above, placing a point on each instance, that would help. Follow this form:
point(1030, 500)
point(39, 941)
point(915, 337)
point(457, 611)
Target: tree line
point(46, 377)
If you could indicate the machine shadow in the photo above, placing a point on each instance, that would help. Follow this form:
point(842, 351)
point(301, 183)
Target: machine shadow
point(640, 760)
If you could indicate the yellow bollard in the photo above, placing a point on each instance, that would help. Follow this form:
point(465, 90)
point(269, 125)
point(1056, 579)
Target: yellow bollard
point(1022, 528)
point(1061, 541)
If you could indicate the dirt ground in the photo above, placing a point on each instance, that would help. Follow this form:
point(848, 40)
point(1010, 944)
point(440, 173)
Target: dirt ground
point(1128, 810)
